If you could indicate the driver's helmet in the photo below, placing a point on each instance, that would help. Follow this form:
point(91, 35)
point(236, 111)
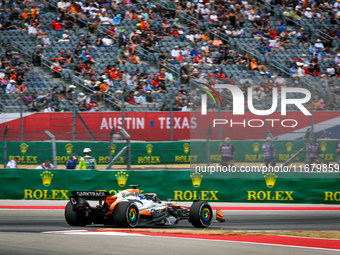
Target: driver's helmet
point(134, 193)
point(141, 196)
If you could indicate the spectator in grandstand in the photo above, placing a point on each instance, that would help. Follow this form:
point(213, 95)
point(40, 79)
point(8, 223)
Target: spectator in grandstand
point(258, 94)
point(168, 59)
point(140, 98)
point(121, 58)
point(186, 108)
point(300, 71)
point(118, 97)
point(45, 39)
point(122, 38)
point(330, 70)
point(280, 81)
point(149, 98)
point(308, 14)
point(106, 42)
point(70, 91)
point(9, 52)
point(65, 37)
point(80, 98)
point(264, 48)
point(319, 45)
point(293, 70)
point(337, 59)
point(32, 29)
point(38, 55)
point(58, 36)
point(4, 81)
point(22, 88)
point(33, 106)
point(13, 163)
point(93, 22)
point(11, 87)
point(46, 165)
point(49, 108)
point(314, 69)
point(134, 58)
point(57, 24)
point(104, 88)
point(255, 65)
point(322, 55)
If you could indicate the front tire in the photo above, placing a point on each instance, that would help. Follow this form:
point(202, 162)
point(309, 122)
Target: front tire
point(74, 218)
point(201, 214)
point(126, 215)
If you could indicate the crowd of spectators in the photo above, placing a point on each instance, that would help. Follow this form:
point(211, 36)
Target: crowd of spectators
point(206, 46)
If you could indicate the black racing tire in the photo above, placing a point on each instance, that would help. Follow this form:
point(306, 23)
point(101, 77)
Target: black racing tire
point(126, 215)
point(74, 218)
point(201, 214)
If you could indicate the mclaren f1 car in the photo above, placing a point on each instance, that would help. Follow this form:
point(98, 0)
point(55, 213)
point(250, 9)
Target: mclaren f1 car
point(129, 208)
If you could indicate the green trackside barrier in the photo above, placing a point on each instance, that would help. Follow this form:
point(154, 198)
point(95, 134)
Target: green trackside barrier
point(176, 185)
point(32, 153)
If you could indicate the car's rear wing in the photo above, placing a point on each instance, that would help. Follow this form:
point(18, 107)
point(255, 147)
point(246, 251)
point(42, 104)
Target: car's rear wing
point(91, 195)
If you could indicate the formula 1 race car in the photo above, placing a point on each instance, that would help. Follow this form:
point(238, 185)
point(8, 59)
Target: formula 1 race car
point(129, 208)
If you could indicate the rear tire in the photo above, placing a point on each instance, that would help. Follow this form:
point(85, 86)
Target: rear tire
point(201, 214)
point(74, 218)
point(126, 215)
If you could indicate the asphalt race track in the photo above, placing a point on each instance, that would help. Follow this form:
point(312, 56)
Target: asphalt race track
point(21, 233)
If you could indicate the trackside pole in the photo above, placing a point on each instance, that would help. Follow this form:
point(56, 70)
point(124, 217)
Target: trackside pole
point(171, 121)
point(85, 126)
point(22, 117)
point(128, 144)
point(73, 116)
point(54, 148)
point(308, 136)
point(208, 145)
point(126, 149)
point(111, 134)
point(5, 145)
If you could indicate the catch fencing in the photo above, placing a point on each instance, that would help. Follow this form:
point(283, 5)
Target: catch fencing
point(164, 154)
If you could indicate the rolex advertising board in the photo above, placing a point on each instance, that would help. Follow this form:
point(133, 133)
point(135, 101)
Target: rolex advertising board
point(31, 153)
point(177, 185)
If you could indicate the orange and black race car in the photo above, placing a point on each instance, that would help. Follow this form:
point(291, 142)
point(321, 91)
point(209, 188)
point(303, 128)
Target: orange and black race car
point(129, 208)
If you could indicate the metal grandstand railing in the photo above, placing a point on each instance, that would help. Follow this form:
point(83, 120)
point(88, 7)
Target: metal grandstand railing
point(80, 82)
point(193, 21)
point(274, 64)
point(45, 63)
point(54, 5)
point(314, 32)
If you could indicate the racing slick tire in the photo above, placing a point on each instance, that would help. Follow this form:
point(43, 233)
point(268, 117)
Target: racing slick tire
point(126, 215)
point(201, 214)
point(74, 218)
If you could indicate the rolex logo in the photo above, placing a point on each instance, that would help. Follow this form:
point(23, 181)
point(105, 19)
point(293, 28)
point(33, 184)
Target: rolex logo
point(186, 147)
point(113, 148)
point(23, 148)
point(323, 146)
point(196, 179)
point(270, 179)
point(69, 147)
point(149, 148)
point(46, 177)
point(122, 178)
point(256, 147)
point(289, 146)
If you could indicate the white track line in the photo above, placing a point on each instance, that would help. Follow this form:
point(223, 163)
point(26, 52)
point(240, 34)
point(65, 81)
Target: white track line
point(113, 233)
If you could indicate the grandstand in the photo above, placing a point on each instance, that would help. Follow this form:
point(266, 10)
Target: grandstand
point(168, 44)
